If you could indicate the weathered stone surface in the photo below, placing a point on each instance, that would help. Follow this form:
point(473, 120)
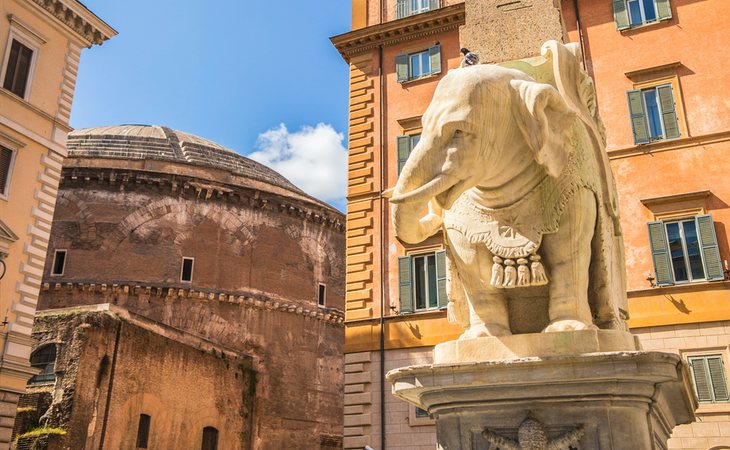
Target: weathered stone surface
point(626, 400)
point(502, 30)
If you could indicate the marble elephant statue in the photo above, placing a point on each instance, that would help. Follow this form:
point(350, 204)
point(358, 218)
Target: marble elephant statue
point(513, 172)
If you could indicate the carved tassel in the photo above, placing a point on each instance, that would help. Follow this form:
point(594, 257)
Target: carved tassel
point(510, 274)
point(497, 272)
point(539, 278)
point(523, 273)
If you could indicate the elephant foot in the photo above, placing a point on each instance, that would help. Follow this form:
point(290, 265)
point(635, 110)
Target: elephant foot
point(485, 330)
point(567, 325)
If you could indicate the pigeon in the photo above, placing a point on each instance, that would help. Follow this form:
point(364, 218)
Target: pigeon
point(470, 58)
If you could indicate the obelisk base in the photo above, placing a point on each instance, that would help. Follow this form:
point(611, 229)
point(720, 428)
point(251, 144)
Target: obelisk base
point(618, 400)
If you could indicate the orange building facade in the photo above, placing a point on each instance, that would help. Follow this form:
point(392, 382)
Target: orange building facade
point(658, 70)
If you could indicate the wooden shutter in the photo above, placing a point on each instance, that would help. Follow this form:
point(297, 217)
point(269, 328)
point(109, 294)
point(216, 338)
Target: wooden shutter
point(434, 54)
point(6, 156)
point(404, 149)
point(405, 284)
point(710, 249)
point(717, 376)
point(443, 298)
point(402, 9)
point(701, 378)
point(433, 4)
point(638, 119)
point(621, 14)
point(663, 9)
point(660, 254)
point(401, 68)
point(669, 114)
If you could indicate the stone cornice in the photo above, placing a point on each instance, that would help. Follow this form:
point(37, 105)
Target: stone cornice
point(401, 30)
point(201, 189)
point(253, 300)
point(78, 18)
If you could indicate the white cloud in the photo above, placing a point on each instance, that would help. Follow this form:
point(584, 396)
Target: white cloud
point(313, 158)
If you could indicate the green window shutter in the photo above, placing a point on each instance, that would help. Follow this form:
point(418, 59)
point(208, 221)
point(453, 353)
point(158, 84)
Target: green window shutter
point(710, 249)
point(717, 376)
point(404, 149)
point(435, 54)
point(433, 4)
point(669, 113)
point(638, 118)
point(621, 14)
point(443, 298)
point(663, 9)
point(701, 378)
point(405, 284)
point(402, 9)
point(660, 254)
point(401, 68)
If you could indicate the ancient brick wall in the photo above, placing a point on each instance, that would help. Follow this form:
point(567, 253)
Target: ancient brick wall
point(259, 259)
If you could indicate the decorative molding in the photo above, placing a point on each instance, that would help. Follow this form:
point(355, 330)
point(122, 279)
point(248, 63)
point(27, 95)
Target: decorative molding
point(401, 30)
point(254, 300)
point(669, 67)
point(27, 30)
point(79, 19)
point(674, 144)
point(188, 187)
point(676, 198)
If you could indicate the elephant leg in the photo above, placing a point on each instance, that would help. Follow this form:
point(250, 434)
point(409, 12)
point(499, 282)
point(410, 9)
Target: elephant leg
point(568, 253)
point(487, 306)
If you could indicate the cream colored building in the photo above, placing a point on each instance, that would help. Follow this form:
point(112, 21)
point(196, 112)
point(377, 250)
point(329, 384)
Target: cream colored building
point(40, 47)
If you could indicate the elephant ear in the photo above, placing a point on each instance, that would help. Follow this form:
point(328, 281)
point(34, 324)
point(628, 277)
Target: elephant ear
point(546, 122)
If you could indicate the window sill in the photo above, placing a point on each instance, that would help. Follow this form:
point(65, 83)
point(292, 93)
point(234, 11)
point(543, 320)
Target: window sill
point(644, 26)
point(416, 80)
point(713, 408)
point(677, 288)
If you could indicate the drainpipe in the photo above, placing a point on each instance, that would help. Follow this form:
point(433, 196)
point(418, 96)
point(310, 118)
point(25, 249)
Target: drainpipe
point(380, 249)
point(111, 384)
point(580, 34)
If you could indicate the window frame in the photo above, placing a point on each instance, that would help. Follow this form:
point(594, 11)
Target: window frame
point(654, 86)
point(40, 378)
point(662, 11)
point(53, 262)
point(321, 294)
point(405, 59)
point(34, 45)
point(707, 407)
point(5, 190)
point(685, 254)
point(409, 285)
point(400, 162)
point(182, 269)
point(414, 420)
point(427, 278)
point(139, 443)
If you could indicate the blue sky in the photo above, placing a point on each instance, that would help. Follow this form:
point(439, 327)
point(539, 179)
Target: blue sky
point(257, 77)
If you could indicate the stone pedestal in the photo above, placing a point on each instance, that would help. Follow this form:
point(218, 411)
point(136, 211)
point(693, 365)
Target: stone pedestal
point(614, 400)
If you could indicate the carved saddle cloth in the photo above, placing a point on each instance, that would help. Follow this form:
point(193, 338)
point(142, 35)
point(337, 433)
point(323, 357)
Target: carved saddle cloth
point(513, 234)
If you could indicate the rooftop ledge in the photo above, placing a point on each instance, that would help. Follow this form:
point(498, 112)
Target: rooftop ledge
point(395, 31)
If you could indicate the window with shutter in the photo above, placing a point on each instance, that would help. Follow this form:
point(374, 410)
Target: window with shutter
point(653, 114)
point(708, 378)
point(6, 159)
point(17, 70)
point(422, 282)
point(685, 250)
point(406, 144)
point(634, 13)
point(443, 298)
point(417, 65)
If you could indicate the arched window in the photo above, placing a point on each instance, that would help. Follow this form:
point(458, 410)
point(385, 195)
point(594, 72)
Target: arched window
point(44, 359)
point(210, 439)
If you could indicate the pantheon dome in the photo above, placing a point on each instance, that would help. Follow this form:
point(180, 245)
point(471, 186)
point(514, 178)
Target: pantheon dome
point(206, 249)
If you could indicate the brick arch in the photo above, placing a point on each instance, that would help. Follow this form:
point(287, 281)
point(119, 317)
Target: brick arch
point(82, 213)
point(156, 210)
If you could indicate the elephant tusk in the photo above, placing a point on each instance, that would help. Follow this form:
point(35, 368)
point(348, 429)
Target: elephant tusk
point(427, 191)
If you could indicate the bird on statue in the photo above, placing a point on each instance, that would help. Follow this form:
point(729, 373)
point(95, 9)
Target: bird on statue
point(470, 58)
